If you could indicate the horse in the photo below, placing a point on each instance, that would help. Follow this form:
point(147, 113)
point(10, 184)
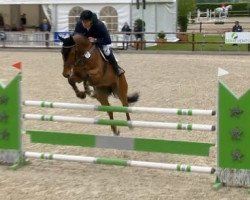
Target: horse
point(83, 62)
point(223, 11)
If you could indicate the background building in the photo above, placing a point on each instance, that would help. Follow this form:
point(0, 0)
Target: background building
point(159, 15)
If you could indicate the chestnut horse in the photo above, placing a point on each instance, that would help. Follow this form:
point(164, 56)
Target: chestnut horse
point(83, 62)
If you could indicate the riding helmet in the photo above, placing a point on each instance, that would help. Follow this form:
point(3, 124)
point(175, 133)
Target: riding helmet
point(86, 15)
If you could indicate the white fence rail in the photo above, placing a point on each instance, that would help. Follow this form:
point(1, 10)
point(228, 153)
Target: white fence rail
point(38, 39)
point(29, 39)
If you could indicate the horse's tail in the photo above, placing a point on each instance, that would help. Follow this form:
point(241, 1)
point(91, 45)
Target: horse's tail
point(132, 98)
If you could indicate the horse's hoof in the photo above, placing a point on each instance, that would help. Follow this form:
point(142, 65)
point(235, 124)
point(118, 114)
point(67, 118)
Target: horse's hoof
point(81, 95)
point(93, 94)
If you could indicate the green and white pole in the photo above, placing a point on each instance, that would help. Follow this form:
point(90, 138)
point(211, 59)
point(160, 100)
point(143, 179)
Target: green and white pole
point(144, 124)
point(121, 162)
point(174, 111)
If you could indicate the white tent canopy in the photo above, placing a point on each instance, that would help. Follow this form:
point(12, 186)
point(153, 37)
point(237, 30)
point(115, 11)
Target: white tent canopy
point(78, 1)
point(159, 15)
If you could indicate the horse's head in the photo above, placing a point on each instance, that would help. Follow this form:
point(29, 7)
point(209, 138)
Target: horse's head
point(229, 7)
point(72, 50)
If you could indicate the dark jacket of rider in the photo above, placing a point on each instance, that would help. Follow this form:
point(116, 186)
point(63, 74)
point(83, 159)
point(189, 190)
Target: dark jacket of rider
point(237, 27)
point(98, 30)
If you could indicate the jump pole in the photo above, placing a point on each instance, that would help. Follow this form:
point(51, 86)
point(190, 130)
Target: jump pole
point(131, 124)
point(121, 162)
point(174, 111)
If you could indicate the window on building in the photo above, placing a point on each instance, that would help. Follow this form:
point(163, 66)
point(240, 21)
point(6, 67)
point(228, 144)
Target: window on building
point(110, 16)
point(74, 15)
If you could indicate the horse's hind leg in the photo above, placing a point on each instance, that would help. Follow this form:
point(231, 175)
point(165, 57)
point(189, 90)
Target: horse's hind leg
point(102, 97)
point(122, 92)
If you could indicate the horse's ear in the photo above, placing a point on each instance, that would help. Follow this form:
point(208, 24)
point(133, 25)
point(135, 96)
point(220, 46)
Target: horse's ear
point(61, 38)
point(71, 39)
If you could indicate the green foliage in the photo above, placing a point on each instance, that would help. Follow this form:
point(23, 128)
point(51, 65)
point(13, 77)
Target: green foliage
point(184, 7)
point(183, 23)
point(161, 35)
point(220, 1)
point(205, 43)
point(248, 6)
point(140, 24)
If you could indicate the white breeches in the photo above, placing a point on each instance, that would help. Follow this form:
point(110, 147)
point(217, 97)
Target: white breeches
point(106, 50)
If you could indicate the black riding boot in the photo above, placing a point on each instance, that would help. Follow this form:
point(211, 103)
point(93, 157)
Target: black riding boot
point(118, 70)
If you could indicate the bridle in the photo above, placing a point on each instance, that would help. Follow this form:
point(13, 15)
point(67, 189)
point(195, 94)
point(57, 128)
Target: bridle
point(86, 55)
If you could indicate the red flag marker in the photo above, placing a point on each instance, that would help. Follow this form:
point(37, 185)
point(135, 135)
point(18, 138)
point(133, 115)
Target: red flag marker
point(17, 65)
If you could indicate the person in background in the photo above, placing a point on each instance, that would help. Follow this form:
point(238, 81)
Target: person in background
point(237, 27)
point(23, 22)
point(126, 35)
point(96, 31)
point(223, 7)
point(138, 36)
point(45, 27)
point(1, 22)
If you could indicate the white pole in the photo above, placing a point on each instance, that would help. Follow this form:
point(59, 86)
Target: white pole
point(132, 163)
point(176, 111)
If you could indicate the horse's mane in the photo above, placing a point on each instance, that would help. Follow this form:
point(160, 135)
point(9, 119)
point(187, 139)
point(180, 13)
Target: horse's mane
point(229, 7)
point(81, 39)
point(73, 39)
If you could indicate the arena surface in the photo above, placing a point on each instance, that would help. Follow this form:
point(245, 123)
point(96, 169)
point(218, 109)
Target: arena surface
point(163, 80)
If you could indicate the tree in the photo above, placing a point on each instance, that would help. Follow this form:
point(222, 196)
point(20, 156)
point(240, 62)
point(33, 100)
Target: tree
point(139, 26)
point(184, 7)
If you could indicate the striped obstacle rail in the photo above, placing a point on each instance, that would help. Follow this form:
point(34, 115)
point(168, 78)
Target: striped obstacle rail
point(121, 162)
point(147, 124)
point(176, 111)
point(131, 124)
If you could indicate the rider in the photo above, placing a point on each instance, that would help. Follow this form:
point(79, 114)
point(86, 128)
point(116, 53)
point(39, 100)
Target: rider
point(97, 32)
point(223, 7)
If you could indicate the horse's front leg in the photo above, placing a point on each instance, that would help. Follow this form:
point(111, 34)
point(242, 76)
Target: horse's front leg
point(88, 90)
point(79, 94)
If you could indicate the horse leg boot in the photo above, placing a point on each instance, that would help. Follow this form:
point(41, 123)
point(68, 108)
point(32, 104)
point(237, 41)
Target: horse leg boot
point(118, 70)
